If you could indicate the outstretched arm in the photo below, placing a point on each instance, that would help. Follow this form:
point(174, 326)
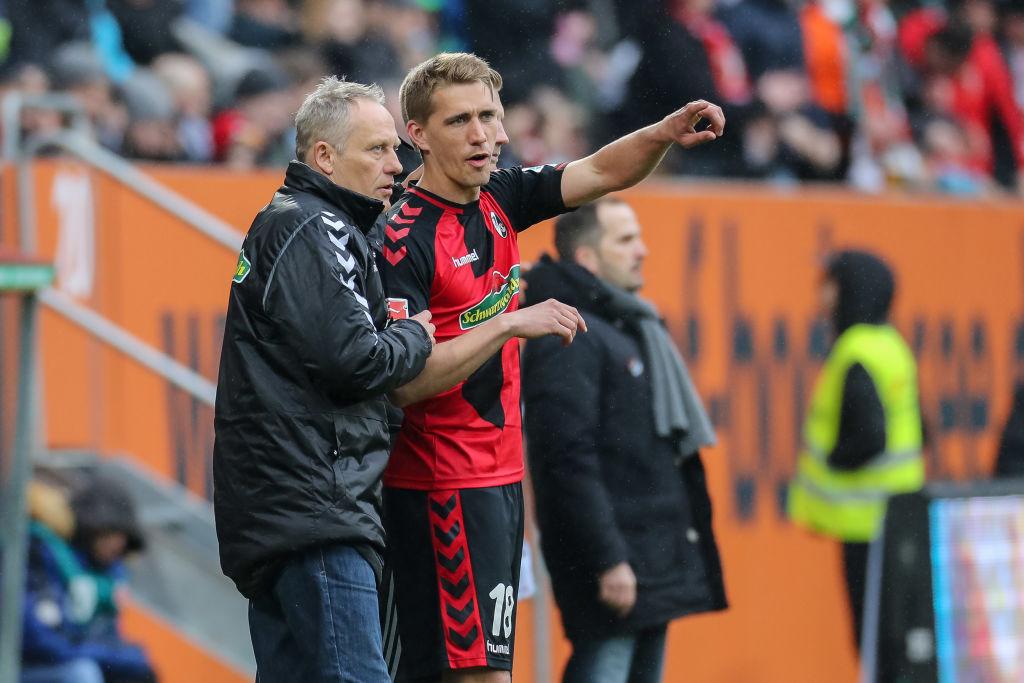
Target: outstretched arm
point(453, 361)
point(628, 160)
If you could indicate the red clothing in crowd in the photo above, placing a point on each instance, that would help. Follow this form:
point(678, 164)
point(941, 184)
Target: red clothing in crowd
point(981, 90)
point(728, 69)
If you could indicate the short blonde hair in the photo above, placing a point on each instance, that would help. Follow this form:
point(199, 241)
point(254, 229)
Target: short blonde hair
point(324, 113)
point(441, 70)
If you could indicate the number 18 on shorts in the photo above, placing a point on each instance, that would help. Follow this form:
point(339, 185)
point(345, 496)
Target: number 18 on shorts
point(455, 558)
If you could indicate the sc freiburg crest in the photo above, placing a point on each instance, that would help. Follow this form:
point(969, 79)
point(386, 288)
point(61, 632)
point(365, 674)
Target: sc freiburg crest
point(498, 225)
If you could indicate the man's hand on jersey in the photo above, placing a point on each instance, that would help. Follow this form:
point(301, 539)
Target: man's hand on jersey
point(548, 317)
point(617, 588)
point(681, 125)
point(423, 318)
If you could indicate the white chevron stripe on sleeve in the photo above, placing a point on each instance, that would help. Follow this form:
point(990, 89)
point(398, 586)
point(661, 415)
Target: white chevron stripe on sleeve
point(333, 225)
point(347, 263)
point(340, 242)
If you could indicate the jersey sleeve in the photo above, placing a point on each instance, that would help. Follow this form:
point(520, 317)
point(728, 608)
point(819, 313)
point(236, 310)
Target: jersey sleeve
point(528, 195)
point(406, 265)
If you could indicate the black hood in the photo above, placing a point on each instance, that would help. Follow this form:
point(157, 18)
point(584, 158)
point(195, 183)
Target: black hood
point(570, 283)
point(100, 505)
point(866, 287)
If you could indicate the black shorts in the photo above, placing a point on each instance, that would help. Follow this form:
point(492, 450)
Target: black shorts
point(454, 559)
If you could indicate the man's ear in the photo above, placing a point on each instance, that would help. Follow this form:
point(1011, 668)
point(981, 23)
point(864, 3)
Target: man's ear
point(586, 256)
point(321, 158)
point(416, 136)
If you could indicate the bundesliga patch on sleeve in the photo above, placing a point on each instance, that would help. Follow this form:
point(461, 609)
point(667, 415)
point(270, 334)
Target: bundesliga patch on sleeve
point(242, 268)
point(398, 309)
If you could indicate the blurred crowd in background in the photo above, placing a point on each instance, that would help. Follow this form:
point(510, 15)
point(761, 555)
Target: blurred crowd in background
point(906, 94)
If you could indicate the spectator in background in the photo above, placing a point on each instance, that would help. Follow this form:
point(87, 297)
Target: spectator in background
point(214, 15)
point(77, 70)
point(614, 427)
point(147, 27)
point(788, 138)
point(39, 29)
point(513, 37)
point(75, 570)
point(253, 132)
point(268, 24)
point(559, 127)
point(1013, 44)
point(190, 86)
point(864, 93)
point(409, 28)
point(768, 34)
point(686, 32)
point(524, 123)
point(947, 162)
point(963, 75)
point(341, 31)
point(863, 432)
point(29, 79)
point(152, 133)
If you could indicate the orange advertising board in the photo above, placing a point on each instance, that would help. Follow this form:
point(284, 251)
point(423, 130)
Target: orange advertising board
point(734, 271)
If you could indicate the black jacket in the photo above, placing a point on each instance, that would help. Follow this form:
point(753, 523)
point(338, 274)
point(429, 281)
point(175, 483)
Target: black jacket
point(302, 417)
point(607, 488)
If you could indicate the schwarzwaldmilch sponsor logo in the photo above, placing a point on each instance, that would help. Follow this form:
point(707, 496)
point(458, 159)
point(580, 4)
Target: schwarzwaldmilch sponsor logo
point(506, 287)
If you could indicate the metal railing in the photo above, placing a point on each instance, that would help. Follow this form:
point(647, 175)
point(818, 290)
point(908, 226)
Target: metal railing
point(14, 521)
point(77, 142)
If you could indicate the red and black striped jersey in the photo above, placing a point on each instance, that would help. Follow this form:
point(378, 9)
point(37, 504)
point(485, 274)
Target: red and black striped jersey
point(462, 262)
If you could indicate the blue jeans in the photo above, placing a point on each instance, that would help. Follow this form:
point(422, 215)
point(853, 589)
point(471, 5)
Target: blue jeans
point(75, 671)
point(320, 621)
point(636, 658)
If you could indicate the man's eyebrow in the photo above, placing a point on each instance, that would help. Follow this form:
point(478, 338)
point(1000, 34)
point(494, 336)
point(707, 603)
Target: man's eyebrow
point(454, 117)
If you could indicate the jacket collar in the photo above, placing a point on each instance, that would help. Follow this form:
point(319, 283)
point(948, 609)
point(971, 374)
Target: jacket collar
point(570, 283)
point(362, 210)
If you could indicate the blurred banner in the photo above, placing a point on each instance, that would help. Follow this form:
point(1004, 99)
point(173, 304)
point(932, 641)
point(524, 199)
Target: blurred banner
point(735, 272)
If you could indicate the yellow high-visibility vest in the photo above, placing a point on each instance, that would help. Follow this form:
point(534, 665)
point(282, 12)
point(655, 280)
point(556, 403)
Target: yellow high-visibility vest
point(850, 505)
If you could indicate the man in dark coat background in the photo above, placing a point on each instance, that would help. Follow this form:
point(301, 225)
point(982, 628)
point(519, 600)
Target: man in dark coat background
point(614, 427)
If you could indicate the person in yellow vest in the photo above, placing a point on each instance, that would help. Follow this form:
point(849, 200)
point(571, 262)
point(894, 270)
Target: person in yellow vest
point(863, 432)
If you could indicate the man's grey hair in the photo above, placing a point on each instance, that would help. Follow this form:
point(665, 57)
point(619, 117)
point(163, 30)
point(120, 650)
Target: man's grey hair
point(324, 114)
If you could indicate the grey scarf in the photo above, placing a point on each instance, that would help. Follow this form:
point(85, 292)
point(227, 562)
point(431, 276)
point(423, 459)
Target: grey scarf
point(679, 414)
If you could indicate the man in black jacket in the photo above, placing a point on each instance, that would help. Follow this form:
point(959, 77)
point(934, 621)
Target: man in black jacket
point(613, 427)
point(303, 414)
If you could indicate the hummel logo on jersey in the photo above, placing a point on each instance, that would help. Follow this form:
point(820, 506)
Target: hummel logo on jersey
point(498, 225)
point(463, 260)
